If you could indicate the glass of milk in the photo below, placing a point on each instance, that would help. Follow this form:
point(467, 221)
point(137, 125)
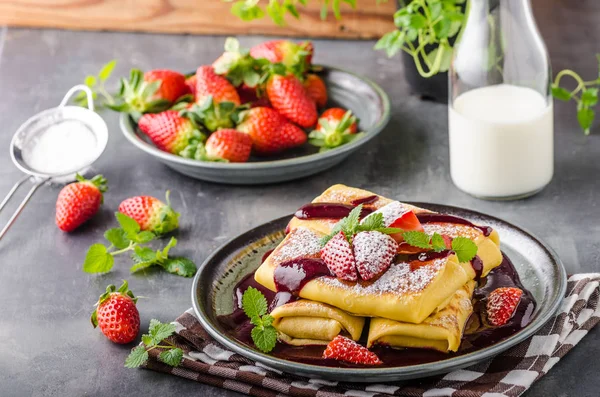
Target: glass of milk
point(500, 108)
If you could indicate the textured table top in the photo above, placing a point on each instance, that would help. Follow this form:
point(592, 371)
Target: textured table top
point(47, 346)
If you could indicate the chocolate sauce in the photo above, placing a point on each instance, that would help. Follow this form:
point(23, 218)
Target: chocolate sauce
point(365, 200)
point(478, 334)
point(292, 275)
point(429, 218)
point(477, 265)
point(328, 211)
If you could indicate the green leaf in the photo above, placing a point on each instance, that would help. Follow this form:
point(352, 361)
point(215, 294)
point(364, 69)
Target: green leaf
point(267, 320)
point(417, 21)
point(352, 221)
point(137, 357)
point(372, 222)
point(254, 303)
point(172, 243)
point(438, 243)
point(143, 254)
point(264, 338)
point(147, 340)
point(90, 81)
point(446, 57)
point(417, 239)
point(589, 97)
point(179, 266)
point(159, 331)
point(98, 260)
point(129, 225)
point(117, 237)
point(464, 248)
point(585, 117)
point(172, 357)
point(561, 93)
point(106, 70)
point(144, 237)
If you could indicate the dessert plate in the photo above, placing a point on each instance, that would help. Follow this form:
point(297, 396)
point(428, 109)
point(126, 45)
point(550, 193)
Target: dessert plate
point(366, 99)
point(539, 268)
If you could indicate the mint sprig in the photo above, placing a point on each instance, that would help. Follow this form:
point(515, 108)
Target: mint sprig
point(351, 225)
point(264, 335)
point(127, 238)
point(156, 338)
point(464, 248)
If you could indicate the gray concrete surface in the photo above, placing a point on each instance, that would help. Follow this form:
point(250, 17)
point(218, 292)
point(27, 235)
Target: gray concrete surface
point(47, 346)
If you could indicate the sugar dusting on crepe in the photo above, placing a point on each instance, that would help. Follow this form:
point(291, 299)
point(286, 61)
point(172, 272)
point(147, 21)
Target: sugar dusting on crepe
point(391, 212)
point(302, 242)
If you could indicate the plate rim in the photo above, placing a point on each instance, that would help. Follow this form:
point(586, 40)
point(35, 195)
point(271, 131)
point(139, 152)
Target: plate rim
point(130, 134)
point(401, 372)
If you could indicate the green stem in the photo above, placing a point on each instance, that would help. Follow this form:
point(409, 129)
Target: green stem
point(129, 248)
point(580, 83)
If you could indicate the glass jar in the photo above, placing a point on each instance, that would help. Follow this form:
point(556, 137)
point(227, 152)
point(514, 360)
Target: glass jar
point(501, 124)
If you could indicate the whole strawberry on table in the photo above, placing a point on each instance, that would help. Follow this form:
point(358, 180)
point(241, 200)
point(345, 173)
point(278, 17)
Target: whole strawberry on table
point(260, 101)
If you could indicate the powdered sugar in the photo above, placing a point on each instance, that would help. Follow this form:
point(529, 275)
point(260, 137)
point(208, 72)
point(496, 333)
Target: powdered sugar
point(452, 230)
point(301, 242)
point(374, 252)
point(339, 258)
point(391, 212)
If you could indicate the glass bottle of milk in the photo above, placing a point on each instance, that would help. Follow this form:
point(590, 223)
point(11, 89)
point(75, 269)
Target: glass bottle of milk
point(500, 107)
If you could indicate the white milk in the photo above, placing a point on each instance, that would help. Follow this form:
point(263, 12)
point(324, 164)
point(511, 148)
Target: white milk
point(501, 141)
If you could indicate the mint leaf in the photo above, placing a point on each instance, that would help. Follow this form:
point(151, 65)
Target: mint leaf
point(129, 225)
point(267, 320)
point(106, 70)
point(172, 243)
point(143, 254)
point(171, 357)
point(351, 222)
point(137, 357)
point(147, 340)
point(144, 237)
point(464, 248)
point(117, 238)
point(159, 331)
point(561, 93)
point(417, 239)
point(179, 266)
point(264, 338)
point(388, 230)
point(98, 260)
point(438, 243)
point(254, 303)
point(372, 222)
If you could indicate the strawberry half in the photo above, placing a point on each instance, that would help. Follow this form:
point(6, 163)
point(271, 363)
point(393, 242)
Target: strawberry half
point(373, 252)
point(117, 315)
point(229, 145)
point(151, 213)
point(316, 90)
point(502, 303)
point(171, 132)
point(288, 96)
point(264, 126)
point(339, 258)
point(79, 201)
point(345, 349)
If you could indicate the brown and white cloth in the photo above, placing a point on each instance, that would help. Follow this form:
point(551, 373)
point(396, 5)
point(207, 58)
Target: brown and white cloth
point(509, 374)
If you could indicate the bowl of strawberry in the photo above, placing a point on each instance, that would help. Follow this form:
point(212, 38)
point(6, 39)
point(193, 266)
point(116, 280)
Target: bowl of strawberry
point(262, 115)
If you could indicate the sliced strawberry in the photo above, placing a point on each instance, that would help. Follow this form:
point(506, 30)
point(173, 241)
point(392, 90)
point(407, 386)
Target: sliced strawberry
point(339, 258)
point(373, 252)
point(345, 349)
point(502, 303)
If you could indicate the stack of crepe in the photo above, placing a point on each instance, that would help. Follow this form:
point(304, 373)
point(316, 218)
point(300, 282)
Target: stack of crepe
point(415, 303)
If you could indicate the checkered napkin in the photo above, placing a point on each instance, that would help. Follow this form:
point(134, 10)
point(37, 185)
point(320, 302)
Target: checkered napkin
point(508, 374)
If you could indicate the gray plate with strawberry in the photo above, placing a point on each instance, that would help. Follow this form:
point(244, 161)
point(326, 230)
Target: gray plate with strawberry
point(368, 102)
point(539, 269)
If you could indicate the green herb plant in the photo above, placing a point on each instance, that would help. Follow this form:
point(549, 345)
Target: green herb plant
point(264, 335)
point(156, 339)
point(585, 95)
point(128, 237)
point(464, 248)
point(96, 83)
point(248, 10)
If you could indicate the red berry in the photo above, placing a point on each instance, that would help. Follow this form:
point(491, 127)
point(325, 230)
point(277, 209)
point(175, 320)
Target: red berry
point(263, 125)
point(334, 116)
point(292, 55)
point(345, 349)
point(373, 252)
point(339, 258)
point(169, 131)
point(172, 86)
point(151, 213)
point(208, 83)
point(502, 303)
point(190, 82)
point(78, 202)
point(230, 145)
point(116, 314)
point(291, 135)
point(288, 96)
point(317, 91)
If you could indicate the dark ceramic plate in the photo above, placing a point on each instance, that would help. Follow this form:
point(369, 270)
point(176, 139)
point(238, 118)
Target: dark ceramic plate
point(540, 270)
point(366, 99)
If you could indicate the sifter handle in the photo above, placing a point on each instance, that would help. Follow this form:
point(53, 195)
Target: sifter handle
point(79, 87)
point(23, 203)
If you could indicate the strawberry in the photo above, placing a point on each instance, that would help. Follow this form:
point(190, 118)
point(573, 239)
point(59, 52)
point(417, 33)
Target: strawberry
point(339, 258)
point(501, 304)
point(317, 91)
point(190, 82)
point(208, 83)
point(289, 98)
point(230, 145)
point(373, 252)
point(172, 84)
point(237, 65)
point(291, 135)
point(170, 131)
point(263, 125)
point(117, 315)
point(250, 96)
point(335, 119)
point(297, 57)
point(336, 127)
point(345, 349)
point(79, 201)
point(151, 213)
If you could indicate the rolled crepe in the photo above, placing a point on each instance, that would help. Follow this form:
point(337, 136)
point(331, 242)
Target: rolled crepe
point(441, 331)
point(305, 322)
point(407, 291)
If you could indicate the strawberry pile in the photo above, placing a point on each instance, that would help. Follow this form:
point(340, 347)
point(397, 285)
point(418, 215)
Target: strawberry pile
point(264, 100)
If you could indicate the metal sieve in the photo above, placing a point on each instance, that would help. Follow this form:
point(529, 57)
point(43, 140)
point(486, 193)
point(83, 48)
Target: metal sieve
point(55, 143)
